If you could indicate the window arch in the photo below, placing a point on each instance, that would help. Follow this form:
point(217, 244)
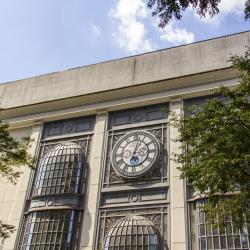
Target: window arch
point(60, 170)
point(53, 213)
point(133, 232)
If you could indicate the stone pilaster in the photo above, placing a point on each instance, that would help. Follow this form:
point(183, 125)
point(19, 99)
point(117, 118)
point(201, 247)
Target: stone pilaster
point(96, 158)
point(177, 190)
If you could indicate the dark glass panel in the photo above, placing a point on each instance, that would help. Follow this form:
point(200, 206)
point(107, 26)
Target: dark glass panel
point(52, 228)
point(60, 170)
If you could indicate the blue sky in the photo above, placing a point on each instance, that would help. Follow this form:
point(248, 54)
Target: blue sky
point(44, 36)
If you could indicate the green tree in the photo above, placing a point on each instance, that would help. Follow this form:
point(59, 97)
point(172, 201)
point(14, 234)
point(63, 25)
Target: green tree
point(167, 10)
point(215, 155)
point(13, 154)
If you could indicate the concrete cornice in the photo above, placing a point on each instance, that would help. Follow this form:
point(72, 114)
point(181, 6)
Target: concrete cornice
point(27, 119)
point(124, 73)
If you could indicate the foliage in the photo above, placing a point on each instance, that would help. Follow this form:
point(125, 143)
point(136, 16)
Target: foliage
point(6, 230)
point(166, 10)
point(215, 157)
point(13, 154)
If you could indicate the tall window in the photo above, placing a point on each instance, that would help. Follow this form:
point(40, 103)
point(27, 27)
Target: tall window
point(56, 192)
point(60, 171)
point(206, 236)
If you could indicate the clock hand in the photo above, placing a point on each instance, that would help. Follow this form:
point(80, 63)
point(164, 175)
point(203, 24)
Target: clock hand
point(135, 147)
point(138, 145)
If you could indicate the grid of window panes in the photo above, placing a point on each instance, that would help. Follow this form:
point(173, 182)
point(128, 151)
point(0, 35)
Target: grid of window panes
point(211, 237)
point(49, 230)
point(60, 170)
point(134, 233)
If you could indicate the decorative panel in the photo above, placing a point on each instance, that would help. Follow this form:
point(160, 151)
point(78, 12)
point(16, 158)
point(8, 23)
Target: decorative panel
point(133, 232)
point(67, 127)
point(157, 215)
point(145, 195)
point(134, 197)
point(138, 115)
point(159, 173)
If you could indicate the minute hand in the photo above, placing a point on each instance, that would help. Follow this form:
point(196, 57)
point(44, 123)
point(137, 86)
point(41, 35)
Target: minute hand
point(138, 145)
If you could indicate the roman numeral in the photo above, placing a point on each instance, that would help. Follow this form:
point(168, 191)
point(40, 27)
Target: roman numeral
point(127, 140)
point(119, 162)
point(151, 151)
point(149, 159)
point(125, 169)
point(136, 137)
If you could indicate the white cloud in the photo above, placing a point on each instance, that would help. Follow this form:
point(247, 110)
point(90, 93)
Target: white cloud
point(131, 33)
point(232, 6)
point(176, 36)
point(95, 29)
point(226, 7)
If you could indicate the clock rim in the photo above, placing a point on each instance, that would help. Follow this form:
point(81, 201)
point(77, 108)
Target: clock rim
point(143, 172)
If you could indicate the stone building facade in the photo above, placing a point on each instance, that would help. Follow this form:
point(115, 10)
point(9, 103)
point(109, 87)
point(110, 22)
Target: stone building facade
point(105, 177)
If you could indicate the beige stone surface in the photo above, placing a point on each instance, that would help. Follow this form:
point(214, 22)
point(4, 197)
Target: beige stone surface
point(177, 199)
point(85, 248)
point(136, 70)
point(88, 230)
point(91, 201)
point(94, 174)
point(13, 196)
point(178, 186)
point(179, 246)
point(178, 234)
point(92, 196)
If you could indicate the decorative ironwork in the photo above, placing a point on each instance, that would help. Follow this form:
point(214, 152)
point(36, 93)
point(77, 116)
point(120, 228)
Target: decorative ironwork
point(133, 232)
point(60, 170)
point(158, 216)
point(52, 214)
point(206, 236)
point(146, 195)
point(159, 172)
point(71, 126)
point(49, 230)
point(138, 115)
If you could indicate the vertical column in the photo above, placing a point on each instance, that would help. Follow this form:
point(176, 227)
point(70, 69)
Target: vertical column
point(19, 193)
point(96, 158)
point(177, 195)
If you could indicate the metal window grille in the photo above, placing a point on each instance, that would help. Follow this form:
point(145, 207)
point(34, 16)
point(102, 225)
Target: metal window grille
point(159, 174)
point(49, 230)
point(133, 232)
point(60, 170)
point(156, 216)
point(60, 177)
point(210, 237)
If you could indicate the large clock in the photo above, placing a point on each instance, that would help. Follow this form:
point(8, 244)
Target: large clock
point(135, 153)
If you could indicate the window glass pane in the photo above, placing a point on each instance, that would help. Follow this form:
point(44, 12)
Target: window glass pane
point(54, 228)
point(212, 237)
point(133, 232)
point(60, 170)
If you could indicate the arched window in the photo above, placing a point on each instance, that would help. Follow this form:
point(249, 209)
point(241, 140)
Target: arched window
point(133, 232)
point(53, 213)
point(60, 170)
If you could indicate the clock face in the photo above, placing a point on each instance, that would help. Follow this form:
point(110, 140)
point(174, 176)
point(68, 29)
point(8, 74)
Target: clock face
point(135, 153)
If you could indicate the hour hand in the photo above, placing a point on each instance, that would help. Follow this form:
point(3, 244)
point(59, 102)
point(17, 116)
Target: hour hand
point(138, 144)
